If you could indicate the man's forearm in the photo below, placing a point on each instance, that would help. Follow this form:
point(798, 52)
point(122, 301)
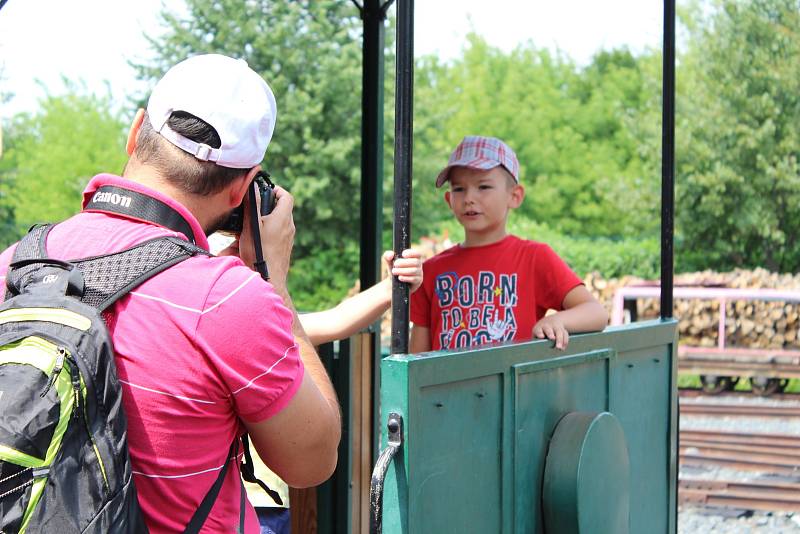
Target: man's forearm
point(310, 358)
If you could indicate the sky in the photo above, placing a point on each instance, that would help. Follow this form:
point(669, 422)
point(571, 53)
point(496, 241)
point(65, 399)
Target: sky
point(91, 41)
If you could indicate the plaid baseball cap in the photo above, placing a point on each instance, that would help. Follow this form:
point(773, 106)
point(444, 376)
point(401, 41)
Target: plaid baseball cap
point(481, 152)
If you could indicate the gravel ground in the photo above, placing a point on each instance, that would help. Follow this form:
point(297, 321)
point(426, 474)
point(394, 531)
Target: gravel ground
point(698, 520)
point(692, 520)
point(765, 425)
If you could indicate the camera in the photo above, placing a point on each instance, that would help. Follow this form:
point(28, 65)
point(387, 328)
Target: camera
point(233, 224)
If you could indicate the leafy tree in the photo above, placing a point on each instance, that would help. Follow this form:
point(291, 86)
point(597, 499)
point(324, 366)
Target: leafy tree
point(51, 155)
point(738, 180)
point(579, 161)
point(310, 53)
point(7, 225)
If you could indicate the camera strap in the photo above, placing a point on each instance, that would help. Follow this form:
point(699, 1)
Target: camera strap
point(135, 205)
point(260, 265)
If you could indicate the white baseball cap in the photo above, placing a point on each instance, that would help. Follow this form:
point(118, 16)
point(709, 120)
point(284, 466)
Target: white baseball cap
point(228, 95)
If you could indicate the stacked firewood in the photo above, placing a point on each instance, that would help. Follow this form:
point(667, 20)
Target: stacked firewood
point(754, 323)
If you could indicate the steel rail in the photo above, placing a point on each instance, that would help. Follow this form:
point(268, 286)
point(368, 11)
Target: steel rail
point(728, 409)
point(784, 452)
point(690, 393)
point(772, 440)
point(714, 450)
point(730, 494)
point(777, 467)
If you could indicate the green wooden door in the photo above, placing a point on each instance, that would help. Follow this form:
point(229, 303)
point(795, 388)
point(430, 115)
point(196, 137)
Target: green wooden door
point(478, 427)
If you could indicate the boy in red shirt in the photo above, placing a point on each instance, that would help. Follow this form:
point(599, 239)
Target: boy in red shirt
point(494, 286)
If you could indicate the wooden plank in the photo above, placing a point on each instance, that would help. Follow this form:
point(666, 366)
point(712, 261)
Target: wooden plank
point(366, 436)
point(356, 425)
point(304, 510)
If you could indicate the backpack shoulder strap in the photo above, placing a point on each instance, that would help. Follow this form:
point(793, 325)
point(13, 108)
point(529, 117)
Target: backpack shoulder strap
point(204, 508)
point(108, 277)
point(32, 245)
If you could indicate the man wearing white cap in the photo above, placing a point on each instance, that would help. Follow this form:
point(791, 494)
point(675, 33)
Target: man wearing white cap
point(206, 349)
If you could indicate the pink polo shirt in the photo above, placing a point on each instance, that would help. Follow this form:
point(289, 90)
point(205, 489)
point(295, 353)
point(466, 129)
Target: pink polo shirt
point(199, 347)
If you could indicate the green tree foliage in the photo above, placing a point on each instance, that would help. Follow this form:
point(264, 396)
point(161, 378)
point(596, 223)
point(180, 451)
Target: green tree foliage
point(7, 223)
point(7, 226)
point(310, 53)
point(588, 137)
point(51, 155)
point(579, 161)
point(738, 181)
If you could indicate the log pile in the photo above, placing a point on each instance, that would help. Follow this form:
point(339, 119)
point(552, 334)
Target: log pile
point(752, 324)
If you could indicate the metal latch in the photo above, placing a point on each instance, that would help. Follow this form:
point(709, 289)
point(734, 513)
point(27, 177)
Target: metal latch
point(395, 441)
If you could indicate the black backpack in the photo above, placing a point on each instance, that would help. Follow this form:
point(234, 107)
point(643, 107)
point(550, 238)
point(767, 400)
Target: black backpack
point(64, 462)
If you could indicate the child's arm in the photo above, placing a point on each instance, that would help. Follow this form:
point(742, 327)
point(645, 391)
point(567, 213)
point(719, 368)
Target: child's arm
point(581, 313)
point(361, 310)
point(420, 339)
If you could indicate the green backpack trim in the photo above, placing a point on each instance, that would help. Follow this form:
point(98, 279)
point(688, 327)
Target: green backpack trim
point(51, 360)
point(51, 315)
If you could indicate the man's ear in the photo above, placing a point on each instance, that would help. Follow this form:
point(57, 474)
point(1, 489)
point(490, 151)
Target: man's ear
point(239, 186)
point(133, 132)
point(516, 197)
point(447, 197)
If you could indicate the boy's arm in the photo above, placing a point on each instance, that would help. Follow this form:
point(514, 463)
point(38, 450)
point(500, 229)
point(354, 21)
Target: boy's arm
point(420, 339)
point(361, 310)
point(581, 313)
point(349, 316)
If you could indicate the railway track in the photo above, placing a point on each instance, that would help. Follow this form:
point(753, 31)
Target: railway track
point(752, 410)
point(772, 497)
point(689, 393)
point(770, 454)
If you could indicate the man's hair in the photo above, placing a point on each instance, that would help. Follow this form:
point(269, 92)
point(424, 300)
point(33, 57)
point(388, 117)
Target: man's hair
point(180, 168)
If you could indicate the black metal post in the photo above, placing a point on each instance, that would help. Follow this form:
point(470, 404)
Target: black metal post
point(668, 219)
point(404, 124)
point(373, 14)
point(668, 160)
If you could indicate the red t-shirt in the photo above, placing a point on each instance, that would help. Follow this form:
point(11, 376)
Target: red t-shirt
point(491, 293)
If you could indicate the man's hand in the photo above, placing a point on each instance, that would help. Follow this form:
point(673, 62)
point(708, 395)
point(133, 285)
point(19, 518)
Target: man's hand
point(277, 237)
point(551, 327)
point(407, 268)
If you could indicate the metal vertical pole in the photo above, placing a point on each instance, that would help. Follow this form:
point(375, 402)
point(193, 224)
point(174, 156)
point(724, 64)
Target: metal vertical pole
point(404, 124)
point(668, 159)
point(373, 14)
point(667, 226)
